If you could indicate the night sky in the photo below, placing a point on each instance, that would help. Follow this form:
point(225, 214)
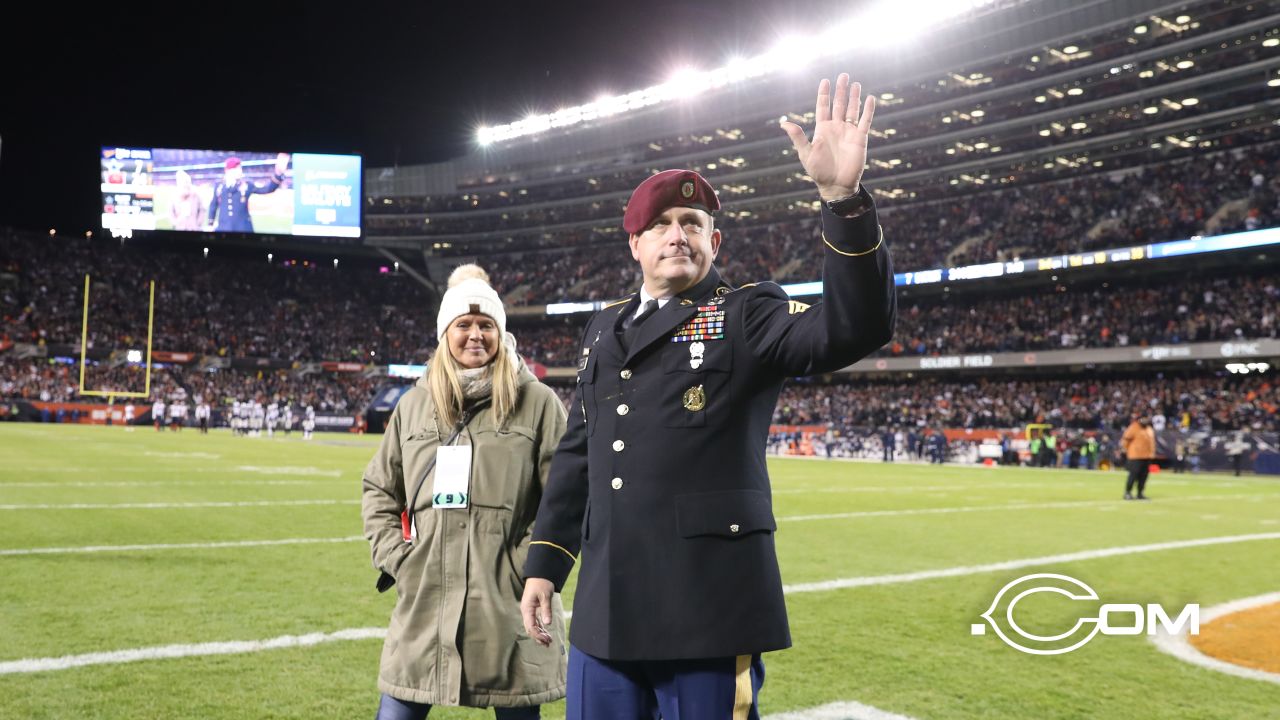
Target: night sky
point(399, 86)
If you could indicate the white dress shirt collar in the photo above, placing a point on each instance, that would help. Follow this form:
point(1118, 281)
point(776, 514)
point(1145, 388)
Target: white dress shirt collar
point(646, 297)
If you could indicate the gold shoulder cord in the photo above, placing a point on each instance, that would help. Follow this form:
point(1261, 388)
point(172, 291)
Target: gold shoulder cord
point(856, 254)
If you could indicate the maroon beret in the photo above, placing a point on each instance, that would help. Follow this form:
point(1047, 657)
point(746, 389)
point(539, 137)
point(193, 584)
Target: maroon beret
point(667, 189)
point(232, 162)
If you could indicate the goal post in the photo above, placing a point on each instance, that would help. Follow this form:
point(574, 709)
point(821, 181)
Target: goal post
point(84, 348)
point(1033, 427)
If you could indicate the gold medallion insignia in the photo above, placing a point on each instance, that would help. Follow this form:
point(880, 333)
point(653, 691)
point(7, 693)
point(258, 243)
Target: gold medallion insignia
point(695, 399)
point(686, 189)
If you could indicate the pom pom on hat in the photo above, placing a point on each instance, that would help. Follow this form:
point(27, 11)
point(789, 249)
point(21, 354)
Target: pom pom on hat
point(469, 271)
point(469, 293)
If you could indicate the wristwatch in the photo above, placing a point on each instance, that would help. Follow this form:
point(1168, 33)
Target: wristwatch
point(852, 206)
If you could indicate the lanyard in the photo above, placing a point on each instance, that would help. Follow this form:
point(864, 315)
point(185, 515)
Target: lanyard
point(385, 581)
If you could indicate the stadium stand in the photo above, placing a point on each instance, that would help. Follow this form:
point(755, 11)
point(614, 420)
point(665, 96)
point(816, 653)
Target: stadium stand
point(1120, 128)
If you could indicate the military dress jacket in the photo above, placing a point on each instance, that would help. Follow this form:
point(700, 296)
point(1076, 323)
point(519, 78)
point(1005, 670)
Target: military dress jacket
point(660, 479)
point(229, 208)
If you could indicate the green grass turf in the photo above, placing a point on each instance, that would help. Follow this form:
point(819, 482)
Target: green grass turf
point(903, 647)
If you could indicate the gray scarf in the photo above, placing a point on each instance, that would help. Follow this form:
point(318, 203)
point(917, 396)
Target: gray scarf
point(477, 383)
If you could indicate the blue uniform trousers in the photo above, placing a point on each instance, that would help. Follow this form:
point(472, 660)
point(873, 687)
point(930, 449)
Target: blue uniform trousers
point(392, 709)
point(710, 689)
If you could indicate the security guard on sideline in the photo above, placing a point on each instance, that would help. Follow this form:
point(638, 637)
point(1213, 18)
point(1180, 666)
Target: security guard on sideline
point(229, 208)
point(660, 480)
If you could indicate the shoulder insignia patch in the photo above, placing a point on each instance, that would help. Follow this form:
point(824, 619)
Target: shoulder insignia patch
point(795, 307)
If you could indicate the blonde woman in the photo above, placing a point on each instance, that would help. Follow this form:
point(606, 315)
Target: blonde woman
point(473, 443)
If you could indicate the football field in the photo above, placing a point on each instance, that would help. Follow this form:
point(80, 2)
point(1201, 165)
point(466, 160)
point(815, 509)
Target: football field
point(174, 575)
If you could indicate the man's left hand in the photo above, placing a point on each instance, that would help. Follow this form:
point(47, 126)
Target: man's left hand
point(837, 155)
point(535, 608)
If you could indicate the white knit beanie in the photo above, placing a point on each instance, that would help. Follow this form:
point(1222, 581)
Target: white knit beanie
point(469, 293)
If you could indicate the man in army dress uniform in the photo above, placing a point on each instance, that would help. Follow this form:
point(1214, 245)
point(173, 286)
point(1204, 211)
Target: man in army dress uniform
point(229, 208)
point(660, 480)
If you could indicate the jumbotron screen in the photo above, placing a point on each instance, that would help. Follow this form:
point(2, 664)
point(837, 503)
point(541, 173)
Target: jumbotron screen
point(231, 192)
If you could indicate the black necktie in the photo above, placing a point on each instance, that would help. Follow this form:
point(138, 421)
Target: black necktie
point(631, 327)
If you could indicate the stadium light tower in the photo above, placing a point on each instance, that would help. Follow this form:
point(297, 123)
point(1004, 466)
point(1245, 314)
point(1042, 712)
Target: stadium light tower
point(793, 53)
point(887, 22)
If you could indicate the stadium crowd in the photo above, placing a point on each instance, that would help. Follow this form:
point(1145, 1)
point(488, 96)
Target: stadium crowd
point(607, 271)
point(39, 379)
point(1200, 309)
point(1238, 190)
point(618, 169)
point(236, 307)
point(1202, 402)
point(231, 304)
point(224, 305)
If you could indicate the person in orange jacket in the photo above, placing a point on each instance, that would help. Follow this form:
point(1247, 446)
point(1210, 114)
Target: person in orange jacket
point(1139, 443)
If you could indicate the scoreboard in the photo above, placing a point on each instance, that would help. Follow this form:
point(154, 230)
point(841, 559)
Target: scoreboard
point(217, 191)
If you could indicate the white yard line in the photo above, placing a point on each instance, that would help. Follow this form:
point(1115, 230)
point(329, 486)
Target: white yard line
point(957, 487)
point(964, 570)
point(220, 648)
point(1013, 506)
point(153, 483)
point(1180, 646)
point(1104, 504)
point(69, 469)
point(174, 505)
point(175, 546)
point(178, 469)
point(833, 711)
point(288, 470)
point(169, 652)
point(838, 711)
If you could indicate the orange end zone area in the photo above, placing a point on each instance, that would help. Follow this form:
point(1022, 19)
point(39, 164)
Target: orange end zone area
point(1249, 638)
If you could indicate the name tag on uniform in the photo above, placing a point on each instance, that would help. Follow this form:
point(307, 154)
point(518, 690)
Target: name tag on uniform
point(451, 487)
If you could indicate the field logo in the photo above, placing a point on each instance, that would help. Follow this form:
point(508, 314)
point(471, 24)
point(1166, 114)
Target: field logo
point(1111, 619)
